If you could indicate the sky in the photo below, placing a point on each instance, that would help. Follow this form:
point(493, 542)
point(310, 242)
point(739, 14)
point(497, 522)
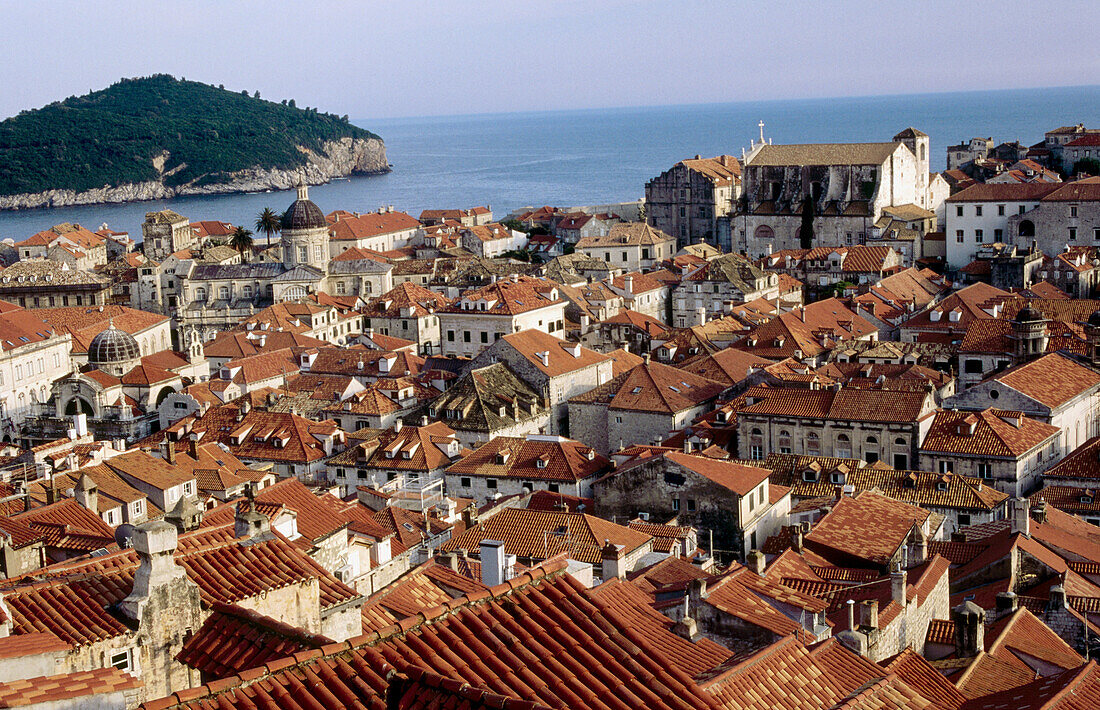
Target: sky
point(399, 58)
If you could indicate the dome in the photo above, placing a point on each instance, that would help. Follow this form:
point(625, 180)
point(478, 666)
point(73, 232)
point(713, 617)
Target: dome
point(1094, 319)
point(1028, 314)
point(303, 213)
point(113, 346)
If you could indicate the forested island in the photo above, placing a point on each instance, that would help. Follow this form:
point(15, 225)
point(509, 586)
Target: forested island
point(158, 136)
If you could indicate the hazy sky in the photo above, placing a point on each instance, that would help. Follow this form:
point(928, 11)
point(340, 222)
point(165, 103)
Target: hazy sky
point(421, 57)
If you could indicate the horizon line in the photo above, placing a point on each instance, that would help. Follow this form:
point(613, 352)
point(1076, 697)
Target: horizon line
point(742, 102)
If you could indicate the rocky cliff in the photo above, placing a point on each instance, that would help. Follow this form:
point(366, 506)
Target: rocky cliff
point(338, 158)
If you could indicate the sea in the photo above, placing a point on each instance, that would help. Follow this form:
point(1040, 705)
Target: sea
point(601, 156)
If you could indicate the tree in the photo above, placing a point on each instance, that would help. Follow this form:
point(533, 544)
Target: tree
point(1087, 166)
point(256, 95)
point(269, 223)
point(806, 231)
point(241, 240)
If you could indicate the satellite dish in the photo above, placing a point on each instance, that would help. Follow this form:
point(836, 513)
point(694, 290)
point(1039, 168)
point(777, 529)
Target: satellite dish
point(124, 534)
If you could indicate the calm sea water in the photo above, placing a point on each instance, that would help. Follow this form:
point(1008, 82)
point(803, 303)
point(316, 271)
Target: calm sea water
point(568, 158)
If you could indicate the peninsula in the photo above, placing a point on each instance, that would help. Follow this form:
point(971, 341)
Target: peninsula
point(157, 137)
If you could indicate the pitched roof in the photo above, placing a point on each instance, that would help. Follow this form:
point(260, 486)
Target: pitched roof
point(823, 154)
point(506, 297)
point(992, 432)
point(845, 404)
point(653, 387)
point(1082, 462)
point(540, 535)
point(372, 224)
point(405, 300)
point(1005, 192)
point(626, 234)
point(813, 329)
point(65, 688)
point(739, 478)
point(534, 458)
point(870, 527)
point(561, 356)
point(1075, 689)
point(729, 366)
point(1052, 379)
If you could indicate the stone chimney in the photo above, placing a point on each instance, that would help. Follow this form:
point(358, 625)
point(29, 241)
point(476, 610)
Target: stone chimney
point(87, 493)
point(492, 563)
point(898, 583)
point(1019, 512)
point(969, 619)
point(157, 573)
point(868, 613)
point(185, 515)
point(628, 284)
point(1057, 598)
point(756, 561)
point(1039, 512)
point(614, 566)
point(1007, 602)
point(249, 522)
point(170, 451)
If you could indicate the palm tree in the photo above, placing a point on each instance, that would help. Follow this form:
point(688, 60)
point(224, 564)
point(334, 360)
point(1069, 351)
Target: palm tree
point(269, 223)
point(241, 240)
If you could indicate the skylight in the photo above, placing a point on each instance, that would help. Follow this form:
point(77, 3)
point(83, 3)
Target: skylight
point(636, 390)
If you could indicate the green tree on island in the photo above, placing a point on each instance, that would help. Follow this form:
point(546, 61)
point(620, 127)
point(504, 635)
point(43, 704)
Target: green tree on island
point(806, 231)
point(270, 223)
point(241, 240)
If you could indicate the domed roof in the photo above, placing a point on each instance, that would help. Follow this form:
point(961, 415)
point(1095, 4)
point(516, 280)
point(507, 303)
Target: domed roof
point(113, 346)
point(1094, 319)
point(1028, 314)
point(303, 213)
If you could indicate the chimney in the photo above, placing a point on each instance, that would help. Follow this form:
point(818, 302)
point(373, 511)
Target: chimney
point(697, 594)
point(628, 283)
point(249, 522)
point(851, 615)
point(898, 579)
point(1007, 602)
point(868, 613)
point(969, 621)
point(1039, 512)
point(613, 563)
point(80, 423)
point(170, 451)
point(1019, 509)
point(492, 563)
point(193, 446)
point(756, 561)
point(87, 494)
point(796, 539)
point(1057, 598)
point(185, 515)
point(157, 572)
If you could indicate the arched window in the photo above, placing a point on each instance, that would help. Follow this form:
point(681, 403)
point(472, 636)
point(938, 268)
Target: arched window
point(764, 232)
point(200, 294)
point(843, 447)
point(923, 152)
point(756, 444)
point(246, 291)
point(784, 441)
point(871, 452)
point(1027, 228)
point(813, 444)
point(223, 293)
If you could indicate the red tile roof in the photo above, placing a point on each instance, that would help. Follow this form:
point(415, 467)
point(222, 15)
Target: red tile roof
point(992, 432)
point(868, 527)
point(234, 639)
point(534, 458)
point(736, 477)
point(1051, 380)
point(653, 387)
point(61, 690)
point(372, 224)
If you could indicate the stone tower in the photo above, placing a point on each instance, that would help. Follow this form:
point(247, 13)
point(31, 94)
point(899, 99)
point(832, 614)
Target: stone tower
point(305, 234)
point(918, 143)
point(1092, 332)
point(1029, 334)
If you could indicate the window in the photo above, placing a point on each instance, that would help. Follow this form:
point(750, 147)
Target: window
point(179, 405)
point(691, 505)
point(972, 367)
point(784, 442)
point(553, 487)
point(1073, 234)
point(998, 235)
point(303, 255)
point(843, 447)
point(977, 210)
point(188, 488)
point(945, 467)
point(465, 336)
point(985, 471)
point(223, 293)
point(246, 290)
point(964, 520)
point(484, 337)
point(645, 253)
point(1073, 211)
point(901, 462)
point(813, 444)
point(1000, 210)
point(756, 452)
point(978, 236)
point(959, 211)
point(121, 661)
point(959, 238)
point(464, 482)
point(450, 336)
point(676, 504)
point(624, 257)
point(618, 419)
point(491, 484)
